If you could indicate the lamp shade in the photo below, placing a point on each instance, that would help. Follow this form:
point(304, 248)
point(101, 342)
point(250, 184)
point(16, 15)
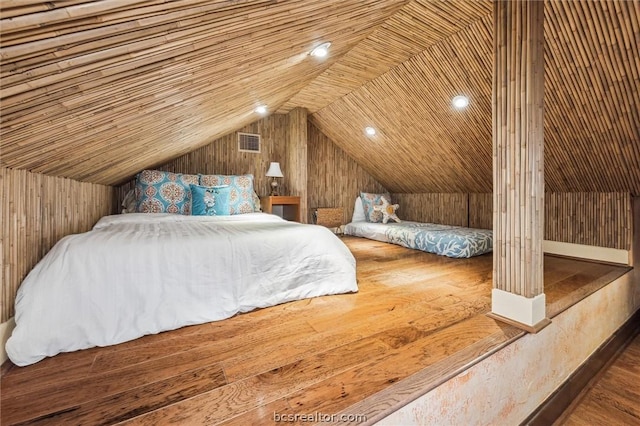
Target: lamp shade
point(274, 170)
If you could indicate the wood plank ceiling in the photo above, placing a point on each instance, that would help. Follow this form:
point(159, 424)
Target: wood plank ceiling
point(97, 91)
point(592, 98)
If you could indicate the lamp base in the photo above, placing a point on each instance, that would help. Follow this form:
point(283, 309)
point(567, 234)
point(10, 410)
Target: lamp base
point(274, 188)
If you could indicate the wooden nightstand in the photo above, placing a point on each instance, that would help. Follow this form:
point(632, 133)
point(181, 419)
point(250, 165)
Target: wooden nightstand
point(285, 206)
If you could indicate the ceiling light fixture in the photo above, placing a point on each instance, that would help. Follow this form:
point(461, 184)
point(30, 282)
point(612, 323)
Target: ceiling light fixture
point(460, 101)
point(321, 51)
point(262, 109)
point(370, 131)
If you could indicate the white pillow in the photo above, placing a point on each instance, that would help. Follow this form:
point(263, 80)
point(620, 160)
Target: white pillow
point(358, 211)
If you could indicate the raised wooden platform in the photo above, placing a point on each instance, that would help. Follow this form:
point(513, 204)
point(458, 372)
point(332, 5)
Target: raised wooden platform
point(418, 318)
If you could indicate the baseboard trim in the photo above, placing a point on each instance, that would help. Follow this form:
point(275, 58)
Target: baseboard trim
point(581, 251)
point(554, 406)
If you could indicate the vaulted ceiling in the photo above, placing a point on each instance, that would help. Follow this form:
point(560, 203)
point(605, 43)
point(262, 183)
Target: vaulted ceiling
point(97, 90)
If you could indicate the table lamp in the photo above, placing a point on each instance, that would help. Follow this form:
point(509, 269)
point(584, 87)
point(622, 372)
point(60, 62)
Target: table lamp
point(274, 172)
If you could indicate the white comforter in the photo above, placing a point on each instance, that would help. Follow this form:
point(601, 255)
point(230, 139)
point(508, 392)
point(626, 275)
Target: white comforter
point(139, 274)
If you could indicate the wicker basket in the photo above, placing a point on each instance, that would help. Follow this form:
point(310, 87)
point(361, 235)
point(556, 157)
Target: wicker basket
point(329, 217)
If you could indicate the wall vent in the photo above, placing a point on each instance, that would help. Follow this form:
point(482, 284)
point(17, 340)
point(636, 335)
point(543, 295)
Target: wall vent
point(248, 142)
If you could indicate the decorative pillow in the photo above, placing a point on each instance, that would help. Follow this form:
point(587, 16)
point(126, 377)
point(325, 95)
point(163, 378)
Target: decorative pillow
point(388, 210)
point(163, 192)
point(256, 203)
point(241, 190)
point(370, 200)
point(358, 211)
point(129, 202)
point(210, 201)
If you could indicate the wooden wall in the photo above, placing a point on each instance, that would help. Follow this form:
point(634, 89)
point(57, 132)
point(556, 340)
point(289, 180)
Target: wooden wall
point(37, 211)
point(596, 219)
point(423, 145)
point(481, 210)
point(297, 159)
point(334, 178)
point(447, 209)
point(222, 156)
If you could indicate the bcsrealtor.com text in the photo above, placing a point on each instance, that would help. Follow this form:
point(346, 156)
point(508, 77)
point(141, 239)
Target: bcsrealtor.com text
point(318, 417)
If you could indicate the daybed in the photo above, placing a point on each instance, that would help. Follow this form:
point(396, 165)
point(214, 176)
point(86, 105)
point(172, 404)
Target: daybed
point(143, 273)
point(446, 240)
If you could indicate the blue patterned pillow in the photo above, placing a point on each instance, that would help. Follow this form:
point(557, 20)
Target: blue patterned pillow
point(163, 192)
point(368, 201)
point(240, 190)
point(210, 201)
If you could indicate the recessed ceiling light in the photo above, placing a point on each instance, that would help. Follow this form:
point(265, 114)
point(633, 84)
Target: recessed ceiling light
point(261, 109)
point(321, 51)
point(370, 131)
point(460, 101)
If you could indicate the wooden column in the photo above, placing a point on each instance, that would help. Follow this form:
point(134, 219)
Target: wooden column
point(518, 166)
point(296, 167)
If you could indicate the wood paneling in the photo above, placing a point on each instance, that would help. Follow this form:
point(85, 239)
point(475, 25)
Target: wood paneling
point(222, 156)
point(596, 219)
point(447, 209)
point(518, 146)
point(297, 159)
point(37, 211)
point(592, 96)
point(334, 178)
point(417, 26)
point(592, 107)
point(416, 315)
point(481, 211)
point(423, 144)
point(98, 91)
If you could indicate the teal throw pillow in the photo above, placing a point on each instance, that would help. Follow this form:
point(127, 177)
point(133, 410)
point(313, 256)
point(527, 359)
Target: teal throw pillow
point(210, 200)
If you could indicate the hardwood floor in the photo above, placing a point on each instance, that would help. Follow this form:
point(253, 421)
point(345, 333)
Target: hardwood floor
point(615, 397)
point(416, 315)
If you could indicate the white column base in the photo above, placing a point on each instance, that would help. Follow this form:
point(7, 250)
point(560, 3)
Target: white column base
point(527, 311)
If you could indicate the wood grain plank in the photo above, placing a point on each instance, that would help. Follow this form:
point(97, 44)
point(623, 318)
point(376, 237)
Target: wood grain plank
point(331, 396)
point(137, 401)
point(43, 401)
point(417, 319)
point(252, 392)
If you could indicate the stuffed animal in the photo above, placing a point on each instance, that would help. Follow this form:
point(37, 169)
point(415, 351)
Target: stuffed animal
point(388, 210)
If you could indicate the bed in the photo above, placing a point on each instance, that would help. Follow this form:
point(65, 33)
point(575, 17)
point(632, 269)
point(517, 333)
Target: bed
point(445, 240)
point(143, 273)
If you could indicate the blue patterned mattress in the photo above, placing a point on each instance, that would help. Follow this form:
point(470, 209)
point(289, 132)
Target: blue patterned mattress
point(451, 241)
